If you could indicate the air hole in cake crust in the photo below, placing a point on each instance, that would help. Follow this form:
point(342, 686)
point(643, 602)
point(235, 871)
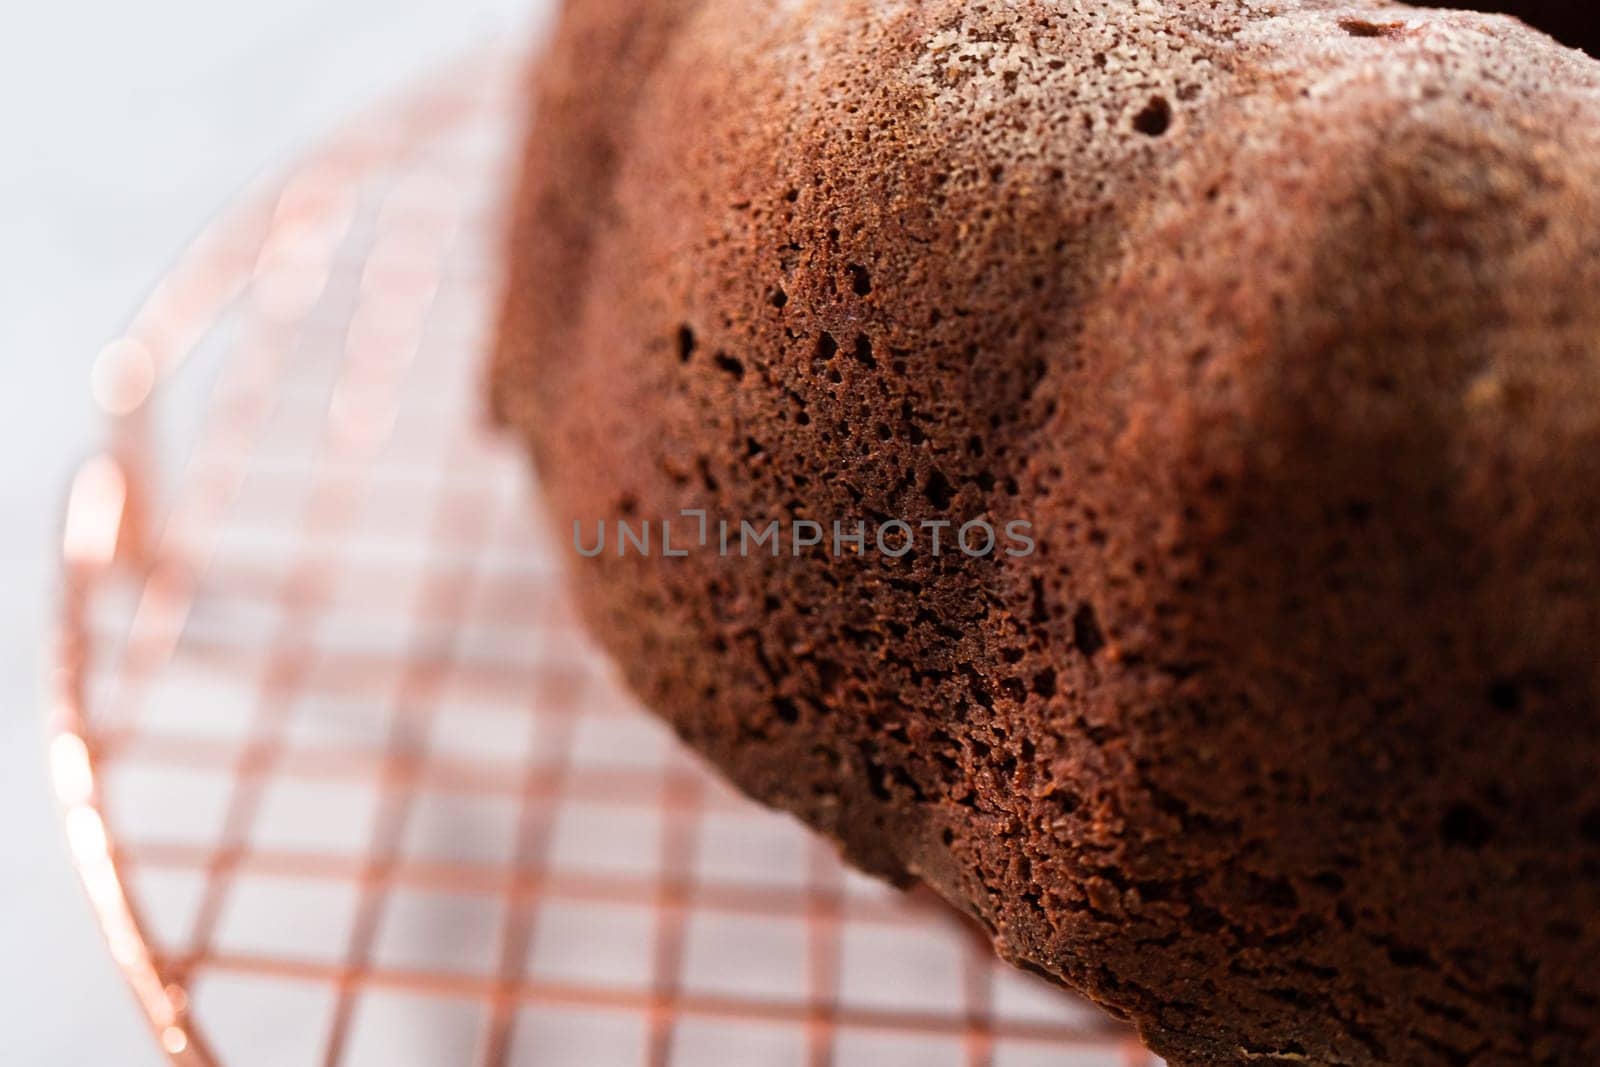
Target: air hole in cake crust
point(1363, 28)
point(860, 279)
point(863, 351)
point(731, 365)
point(686, 343)
point(1466, 826)
point(1086, 632)
point(1329, 881)
point(1409, 956)
point(1590, 826)
point(1505, 695)
point(1155, 119)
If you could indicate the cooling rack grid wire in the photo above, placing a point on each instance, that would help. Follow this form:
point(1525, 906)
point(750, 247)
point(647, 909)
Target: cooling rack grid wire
point(344, 780)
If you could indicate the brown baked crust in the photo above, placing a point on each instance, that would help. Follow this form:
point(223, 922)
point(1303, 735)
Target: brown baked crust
point(1279, 323)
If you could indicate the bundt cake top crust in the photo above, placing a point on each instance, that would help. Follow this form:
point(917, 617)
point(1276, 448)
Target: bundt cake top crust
point(1278, 323)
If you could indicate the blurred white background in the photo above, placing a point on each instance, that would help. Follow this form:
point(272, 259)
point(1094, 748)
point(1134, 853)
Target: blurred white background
point(123, 128)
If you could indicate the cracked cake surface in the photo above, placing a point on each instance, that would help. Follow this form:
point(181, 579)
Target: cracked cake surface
point(1278, 322)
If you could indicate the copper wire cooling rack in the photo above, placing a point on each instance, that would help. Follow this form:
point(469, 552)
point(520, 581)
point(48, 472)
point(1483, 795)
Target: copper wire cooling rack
point(345, 783)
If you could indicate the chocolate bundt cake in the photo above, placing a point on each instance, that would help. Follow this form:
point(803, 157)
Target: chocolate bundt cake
point(1246, 356)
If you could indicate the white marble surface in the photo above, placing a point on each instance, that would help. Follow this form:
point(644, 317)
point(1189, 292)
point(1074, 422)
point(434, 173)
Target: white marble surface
point(123, 128)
